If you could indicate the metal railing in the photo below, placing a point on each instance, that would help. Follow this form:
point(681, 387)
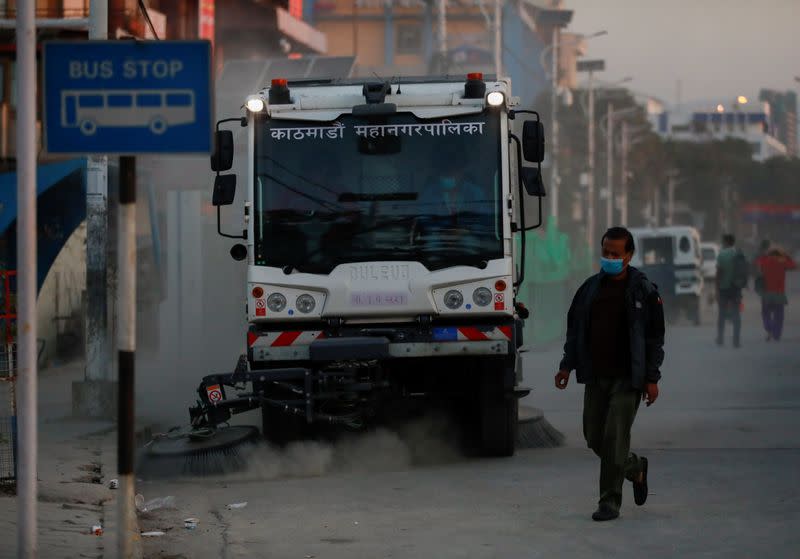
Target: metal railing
point(8, 376)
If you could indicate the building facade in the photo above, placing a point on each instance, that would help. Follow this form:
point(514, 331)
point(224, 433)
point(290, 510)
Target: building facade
point(707, 121)
point(783, 108)
point(391, 38)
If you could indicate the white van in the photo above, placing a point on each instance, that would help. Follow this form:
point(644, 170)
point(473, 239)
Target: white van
point(671, 258)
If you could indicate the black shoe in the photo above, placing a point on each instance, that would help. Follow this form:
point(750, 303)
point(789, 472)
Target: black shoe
point(640, 487)
point(604, 512)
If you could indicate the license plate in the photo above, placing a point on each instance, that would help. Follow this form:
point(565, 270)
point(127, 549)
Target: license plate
point(378, 299)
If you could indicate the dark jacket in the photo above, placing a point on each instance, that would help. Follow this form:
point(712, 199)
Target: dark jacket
point(645, 324)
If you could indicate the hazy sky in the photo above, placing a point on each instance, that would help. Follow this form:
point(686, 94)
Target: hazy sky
point(717, 48)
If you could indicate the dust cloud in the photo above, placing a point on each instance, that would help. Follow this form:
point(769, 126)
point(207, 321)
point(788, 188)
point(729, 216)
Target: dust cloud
point(425, 441)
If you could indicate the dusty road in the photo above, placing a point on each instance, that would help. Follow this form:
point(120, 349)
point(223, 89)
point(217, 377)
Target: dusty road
point(724, 450)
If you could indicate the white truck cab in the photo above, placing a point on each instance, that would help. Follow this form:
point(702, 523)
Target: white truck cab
point(379, 239)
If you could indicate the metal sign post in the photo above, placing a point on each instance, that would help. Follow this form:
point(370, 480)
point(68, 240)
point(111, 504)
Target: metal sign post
point(98, 374)
point(127, 98)
point(126, 327)
point(27, 544)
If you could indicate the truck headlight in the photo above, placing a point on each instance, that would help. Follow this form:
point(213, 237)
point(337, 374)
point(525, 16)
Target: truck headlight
point(276, 302)
point(482, 296)
point(305, 303)
point(453, 299)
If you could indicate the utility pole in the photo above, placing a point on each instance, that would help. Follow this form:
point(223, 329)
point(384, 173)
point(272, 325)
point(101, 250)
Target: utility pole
point(610, 166)
point(498, 38)
point(442, 32)
point(590, 225)
point(554, 179)
point(610, 117)
point(671, 200)
point(623, 195)
point(657, 206)
point(94, 396)
point(27, 545)
point(591, 66)
point(558, 19)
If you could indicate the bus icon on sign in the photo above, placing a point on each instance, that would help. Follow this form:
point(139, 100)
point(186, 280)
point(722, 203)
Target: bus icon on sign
point(156, 109)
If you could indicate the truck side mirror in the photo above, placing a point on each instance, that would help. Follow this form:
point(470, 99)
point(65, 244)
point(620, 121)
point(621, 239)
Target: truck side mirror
point(224, 190)
point(222, 158)
point(532, 180)
point(533, 141)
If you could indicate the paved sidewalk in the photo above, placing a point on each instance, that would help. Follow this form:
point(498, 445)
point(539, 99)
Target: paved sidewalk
point(77, 459)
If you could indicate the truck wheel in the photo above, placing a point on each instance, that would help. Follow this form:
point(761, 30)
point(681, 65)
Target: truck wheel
point(498, 424)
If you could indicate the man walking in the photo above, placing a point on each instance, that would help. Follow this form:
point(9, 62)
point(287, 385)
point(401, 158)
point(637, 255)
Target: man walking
point(773, 267)
point(731, 279)
point(615, 343)
point(758, 282)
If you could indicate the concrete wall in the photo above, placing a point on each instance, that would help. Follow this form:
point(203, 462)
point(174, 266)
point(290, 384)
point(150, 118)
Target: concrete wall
point(60, 305)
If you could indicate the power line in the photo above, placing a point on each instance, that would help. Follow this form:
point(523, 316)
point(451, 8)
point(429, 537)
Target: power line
point(143, 9)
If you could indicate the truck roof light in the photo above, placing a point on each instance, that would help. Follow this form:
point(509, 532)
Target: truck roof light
point(495, 98)
point(475, 88)
point(279, 92)
point(254, 104)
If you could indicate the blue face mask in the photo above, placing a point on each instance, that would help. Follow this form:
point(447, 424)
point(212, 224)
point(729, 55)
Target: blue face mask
point(447, 183)
point(611, 267)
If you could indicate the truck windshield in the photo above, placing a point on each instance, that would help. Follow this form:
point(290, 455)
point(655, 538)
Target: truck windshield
point(359, 190)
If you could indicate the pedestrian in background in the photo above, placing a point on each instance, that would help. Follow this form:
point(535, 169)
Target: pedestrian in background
point(773, 267)
point(758, 280)
point(732, 276)
point(615, 341)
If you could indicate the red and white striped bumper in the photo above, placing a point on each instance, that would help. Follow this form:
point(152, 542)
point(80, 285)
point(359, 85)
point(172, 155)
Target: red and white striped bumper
point(461, 340)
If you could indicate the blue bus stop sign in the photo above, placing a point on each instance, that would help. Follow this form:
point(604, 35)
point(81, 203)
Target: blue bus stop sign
point(127, 97)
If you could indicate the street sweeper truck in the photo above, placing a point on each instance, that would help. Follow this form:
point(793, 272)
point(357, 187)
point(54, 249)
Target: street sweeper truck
point(383, 233)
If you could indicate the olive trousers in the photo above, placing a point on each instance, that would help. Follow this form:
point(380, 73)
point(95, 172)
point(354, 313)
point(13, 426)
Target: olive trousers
point(609, 408)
